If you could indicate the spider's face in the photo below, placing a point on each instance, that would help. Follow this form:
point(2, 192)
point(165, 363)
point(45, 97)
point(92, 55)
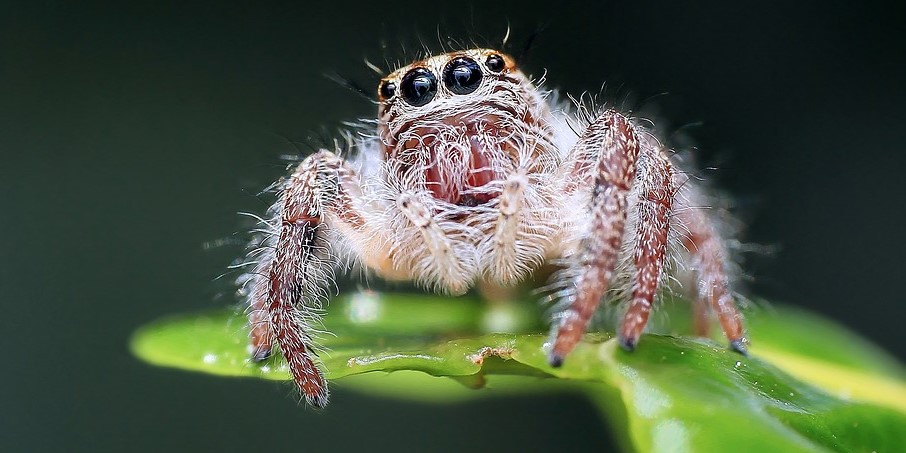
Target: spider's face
point(442, 81)
point(452, 123)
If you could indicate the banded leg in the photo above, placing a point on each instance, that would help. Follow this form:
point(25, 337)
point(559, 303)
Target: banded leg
point(650, 250)
point(612, 140)
point(713, 283)
point(289, 283)
point(285, 298)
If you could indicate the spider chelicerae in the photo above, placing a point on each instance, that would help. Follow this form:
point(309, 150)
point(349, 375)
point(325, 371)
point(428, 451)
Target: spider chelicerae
point(475, 176)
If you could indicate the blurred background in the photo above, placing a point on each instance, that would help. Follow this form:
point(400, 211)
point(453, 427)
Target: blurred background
point(132, 134)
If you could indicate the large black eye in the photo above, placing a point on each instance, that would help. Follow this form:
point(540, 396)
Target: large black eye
point(418, 87)
point(387, 90)
point(462, 75)
point(495, 63)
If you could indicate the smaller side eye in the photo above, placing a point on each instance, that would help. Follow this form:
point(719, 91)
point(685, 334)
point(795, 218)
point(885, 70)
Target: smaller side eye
point(495, 63)
point(386, 90)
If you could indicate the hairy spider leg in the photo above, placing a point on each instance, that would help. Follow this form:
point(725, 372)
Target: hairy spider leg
point(614, 142)
point(650, 249)
point(713, 285)
point(286, 298)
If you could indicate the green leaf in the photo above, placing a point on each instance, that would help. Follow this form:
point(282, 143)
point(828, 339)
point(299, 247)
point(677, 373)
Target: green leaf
point(809, 384)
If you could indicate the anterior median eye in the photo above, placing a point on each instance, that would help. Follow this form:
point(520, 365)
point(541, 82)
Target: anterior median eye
point(418, 87)
point(462, 75)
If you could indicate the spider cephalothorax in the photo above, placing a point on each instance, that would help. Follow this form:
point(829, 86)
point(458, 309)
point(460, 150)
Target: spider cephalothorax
point(475, 177)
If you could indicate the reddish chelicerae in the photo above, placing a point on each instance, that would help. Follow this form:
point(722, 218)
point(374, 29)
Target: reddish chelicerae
point(476, 176)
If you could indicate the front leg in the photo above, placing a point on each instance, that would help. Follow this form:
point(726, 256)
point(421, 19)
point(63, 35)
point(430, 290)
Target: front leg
point(289, 281)
point(612, 140)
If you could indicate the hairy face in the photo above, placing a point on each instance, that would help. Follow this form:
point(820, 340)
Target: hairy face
point(454, 124)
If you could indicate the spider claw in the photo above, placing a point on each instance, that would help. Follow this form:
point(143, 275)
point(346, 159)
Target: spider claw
point(260, 354)
point(627, 343)
point(555, 360)
point(740, 345)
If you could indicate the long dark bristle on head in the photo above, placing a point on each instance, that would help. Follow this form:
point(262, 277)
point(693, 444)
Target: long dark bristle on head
point(522, 56)
point(350, 84)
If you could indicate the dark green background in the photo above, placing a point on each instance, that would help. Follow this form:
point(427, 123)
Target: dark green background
point(130, 136)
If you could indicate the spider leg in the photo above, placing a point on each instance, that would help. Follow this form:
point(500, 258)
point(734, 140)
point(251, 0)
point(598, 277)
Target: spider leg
point(613, 142)
point(713, 283)
point(655, 204)
point(700, 317)
point(284, 301)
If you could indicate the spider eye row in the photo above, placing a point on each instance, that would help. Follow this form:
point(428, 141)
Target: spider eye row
point(462, 75)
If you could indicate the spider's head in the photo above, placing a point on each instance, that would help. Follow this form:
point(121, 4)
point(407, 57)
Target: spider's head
point(452, 122)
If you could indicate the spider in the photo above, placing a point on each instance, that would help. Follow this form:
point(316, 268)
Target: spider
point(475, 176)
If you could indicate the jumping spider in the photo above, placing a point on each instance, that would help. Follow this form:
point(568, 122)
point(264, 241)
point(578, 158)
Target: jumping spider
point(476, 176)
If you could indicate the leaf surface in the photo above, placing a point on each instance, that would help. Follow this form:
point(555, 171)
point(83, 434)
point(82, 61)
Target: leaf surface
point(809, 385)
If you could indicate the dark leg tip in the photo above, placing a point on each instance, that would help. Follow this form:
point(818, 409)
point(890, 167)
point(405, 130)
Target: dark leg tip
point(740, 345)
point(317, 401)
point(555, 360)
point(628, 344)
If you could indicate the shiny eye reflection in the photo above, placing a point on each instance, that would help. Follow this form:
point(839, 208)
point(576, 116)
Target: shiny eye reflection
point(418, 87)
point(387, 90)
point(495, 63)
point(462, 75)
